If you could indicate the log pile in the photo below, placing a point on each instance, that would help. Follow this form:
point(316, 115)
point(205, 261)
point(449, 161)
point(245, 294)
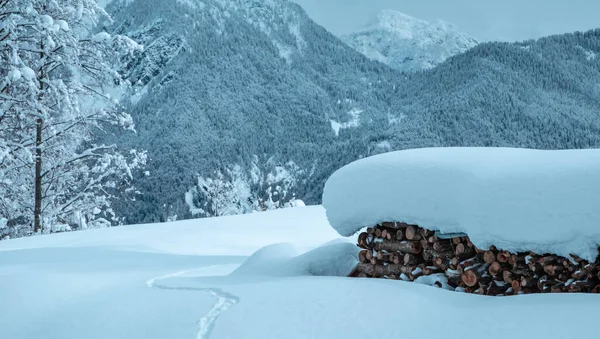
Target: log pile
point(395, 250)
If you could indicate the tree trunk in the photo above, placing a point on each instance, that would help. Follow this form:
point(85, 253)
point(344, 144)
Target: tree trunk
point(37, 209)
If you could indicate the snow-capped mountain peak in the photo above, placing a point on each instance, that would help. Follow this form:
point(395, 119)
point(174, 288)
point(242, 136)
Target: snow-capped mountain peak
point(407, 43)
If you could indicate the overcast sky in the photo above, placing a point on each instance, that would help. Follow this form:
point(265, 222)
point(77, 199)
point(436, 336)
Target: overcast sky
point(483, 19)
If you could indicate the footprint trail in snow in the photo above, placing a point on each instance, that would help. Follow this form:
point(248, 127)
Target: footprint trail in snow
point(207, 322)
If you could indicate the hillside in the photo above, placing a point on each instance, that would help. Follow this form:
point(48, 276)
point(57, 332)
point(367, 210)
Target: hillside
point(408, 44)
point(536, 94)
point(244, 106)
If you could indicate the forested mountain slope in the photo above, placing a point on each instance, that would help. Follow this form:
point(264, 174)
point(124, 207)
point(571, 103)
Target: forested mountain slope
point(248, 83)
point(539, 94)
point(245, 104)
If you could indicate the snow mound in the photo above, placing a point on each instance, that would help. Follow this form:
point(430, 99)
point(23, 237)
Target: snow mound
point(27, 73)
point(333, 259)
point(101, 37)
point(515, 199)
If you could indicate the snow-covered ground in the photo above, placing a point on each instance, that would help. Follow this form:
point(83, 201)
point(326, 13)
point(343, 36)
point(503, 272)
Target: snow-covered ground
point(193, 279)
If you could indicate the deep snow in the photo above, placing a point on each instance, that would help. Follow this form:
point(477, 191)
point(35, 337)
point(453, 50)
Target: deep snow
point(516, 199)
point(125, 283)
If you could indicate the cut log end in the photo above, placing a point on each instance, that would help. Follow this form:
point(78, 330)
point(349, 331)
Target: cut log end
point(469, 278)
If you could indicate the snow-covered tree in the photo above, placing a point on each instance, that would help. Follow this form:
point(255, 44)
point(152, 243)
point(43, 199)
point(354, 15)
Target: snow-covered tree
point(224, 194)
point(56, 80)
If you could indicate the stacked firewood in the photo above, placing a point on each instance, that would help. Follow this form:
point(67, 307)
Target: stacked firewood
point(395, 250)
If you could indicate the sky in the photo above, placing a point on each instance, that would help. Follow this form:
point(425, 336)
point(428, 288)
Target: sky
point(485, 20)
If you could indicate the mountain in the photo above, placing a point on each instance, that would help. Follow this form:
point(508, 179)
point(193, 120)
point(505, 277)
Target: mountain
point(409, 44)
point(246, 105)
point(242, 92)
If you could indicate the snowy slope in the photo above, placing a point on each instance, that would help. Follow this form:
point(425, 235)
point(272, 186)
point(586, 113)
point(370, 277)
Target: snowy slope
point(305, 227)
point(409, 44)
point(164, 281)
point(516, 199)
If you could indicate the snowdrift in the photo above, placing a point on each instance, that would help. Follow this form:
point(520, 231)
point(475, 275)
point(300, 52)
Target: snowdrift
point(336, 259)
point(515, 199)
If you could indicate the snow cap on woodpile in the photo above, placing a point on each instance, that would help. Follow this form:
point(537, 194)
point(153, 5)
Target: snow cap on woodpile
point(515, 199)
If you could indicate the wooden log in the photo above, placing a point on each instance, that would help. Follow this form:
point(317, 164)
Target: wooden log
point(362, 256)
point(429, 270)
point(493, 289)
point(410, 259)
point(384, 233)
point(412, 233)
point(429, 255)
point(455, 261)
point(507, 276)
point(553, 270)
point(400, 235)
point(389, 225)
point(535, 268)
point(462, 251)
point(503, 256)
point(549, 260)
point(470, 277)
point(424, 244)
point(495, 268)
point(469, 263)
point(557, 288)
point(515, 259)
point(515, 285)
point(425, 233)
point(370, 230)
point(545, 284)
point(596, 289)
point(432, 239)
point(362, 240)
point(441, 263)
point(443, 246)
point(368, 254)
point(489, 257)
point(579, 274)
point(456, 241)
point(581, 286)
point(406, 246)
point(528, 282)
point(403, 225)
point(521, 269)
point(378, 232)
point(378, 270)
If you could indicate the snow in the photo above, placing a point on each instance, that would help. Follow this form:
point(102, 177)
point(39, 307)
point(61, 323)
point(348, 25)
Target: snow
point(27, 73)
point(515, 199)
point(337, 259)
point(407, 43)
point(191, 279)
point(14, 75)
point(297, 203)
point(63, 25)
point(46, 21)
point(353, 122)
point(101, 37)
point(239, 235)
